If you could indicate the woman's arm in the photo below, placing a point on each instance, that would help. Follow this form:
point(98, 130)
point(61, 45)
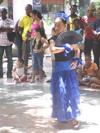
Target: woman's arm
point(77, 50)
point(45, 43)
point(55, 49)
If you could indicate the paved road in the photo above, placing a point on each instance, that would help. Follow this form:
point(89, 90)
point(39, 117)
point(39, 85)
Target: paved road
point(26, 108)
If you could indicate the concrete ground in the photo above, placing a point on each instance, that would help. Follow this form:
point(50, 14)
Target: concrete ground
point(26, 108)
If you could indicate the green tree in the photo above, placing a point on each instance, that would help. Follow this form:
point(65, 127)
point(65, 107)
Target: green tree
point(1, 1)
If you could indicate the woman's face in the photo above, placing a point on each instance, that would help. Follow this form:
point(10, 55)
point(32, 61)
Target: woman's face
point(59, 26)
point(33, 16)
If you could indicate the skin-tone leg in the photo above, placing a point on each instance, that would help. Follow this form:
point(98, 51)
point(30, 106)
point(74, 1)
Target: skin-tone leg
point(96, 86)
point(73, 123)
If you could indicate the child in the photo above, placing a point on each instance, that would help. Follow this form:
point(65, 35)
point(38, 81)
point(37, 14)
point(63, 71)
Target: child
point(18, 72)
point(89, 70)
point(79, 30)
point(38, 54)
point(95, 81)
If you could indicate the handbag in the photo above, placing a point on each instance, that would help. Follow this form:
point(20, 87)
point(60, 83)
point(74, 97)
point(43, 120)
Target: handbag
point(11, 36)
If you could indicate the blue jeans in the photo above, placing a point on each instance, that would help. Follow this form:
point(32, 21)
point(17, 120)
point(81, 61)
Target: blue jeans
point(8, 51)
point(37, 61)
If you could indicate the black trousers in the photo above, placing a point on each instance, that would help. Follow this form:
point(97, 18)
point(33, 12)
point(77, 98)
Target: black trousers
point(88, 46)
point(25, 54)
point(96, 49)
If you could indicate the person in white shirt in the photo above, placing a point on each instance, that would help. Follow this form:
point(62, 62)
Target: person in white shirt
point(6, 26)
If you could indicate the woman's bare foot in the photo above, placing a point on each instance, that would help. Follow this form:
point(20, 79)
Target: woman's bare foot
point(73, 124)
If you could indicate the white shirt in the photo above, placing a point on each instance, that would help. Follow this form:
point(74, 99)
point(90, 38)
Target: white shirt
point(3, 35)
point(20, 71)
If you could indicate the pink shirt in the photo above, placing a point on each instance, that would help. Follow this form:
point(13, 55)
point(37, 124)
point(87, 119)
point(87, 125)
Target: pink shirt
point(34, 26)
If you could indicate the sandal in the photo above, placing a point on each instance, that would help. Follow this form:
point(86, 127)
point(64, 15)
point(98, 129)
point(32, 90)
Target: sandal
point(75, 124)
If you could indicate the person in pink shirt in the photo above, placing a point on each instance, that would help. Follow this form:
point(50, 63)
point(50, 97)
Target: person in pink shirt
point(37, 22)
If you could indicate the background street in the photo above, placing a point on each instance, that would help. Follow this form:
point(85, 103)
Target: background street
point(26, 107)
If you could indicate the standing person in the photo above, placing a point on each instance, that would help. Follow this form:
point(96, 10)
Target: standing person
point(37, 23)
point(53, 37)
point(79, 30)
point(38, 53)
point(5, 45)
point(64, 84)
point(25, 26)
point(71, 17)
point(96, 28)
point(88, 21)
point(18, 41)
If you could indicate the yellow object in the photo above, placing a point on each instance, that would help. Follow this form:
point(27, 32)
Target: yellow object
point(71, 22)
point(25, 23)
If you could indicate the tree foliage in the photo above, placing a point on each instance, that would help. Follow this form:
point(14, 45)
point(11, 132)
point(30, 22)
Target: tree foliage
point(1, 1)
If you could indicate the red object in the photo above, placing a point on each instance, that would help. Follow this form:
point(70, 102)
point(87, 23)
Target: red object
point(53, 2)
point(24, 79)
point(89, 34)
point(88, 21)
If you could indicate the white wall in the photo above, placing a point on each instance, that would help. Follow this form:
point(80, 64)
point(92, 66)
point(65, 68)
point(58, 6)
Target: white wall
point(19, 8)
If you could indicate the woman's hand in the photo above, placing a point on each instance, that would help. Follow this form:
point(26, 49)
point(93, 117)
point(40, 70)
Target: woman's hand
point(74, 64)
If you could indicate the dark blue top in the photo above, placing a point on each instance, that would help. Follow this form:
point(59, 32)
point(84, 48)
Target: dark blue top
point(60, 56)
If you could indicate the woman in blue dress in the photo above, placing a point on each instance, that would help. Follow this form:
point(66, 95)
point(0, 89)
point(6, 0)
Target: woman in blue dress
point(64, 83)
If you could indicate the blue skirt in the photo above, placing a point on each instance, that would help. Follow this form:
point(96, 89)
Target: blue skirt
point(65, 93)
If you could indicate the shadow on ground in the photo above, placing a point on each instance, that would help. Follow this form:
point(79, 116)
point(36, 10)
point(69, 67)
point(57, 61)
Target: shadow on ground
point(26, 108)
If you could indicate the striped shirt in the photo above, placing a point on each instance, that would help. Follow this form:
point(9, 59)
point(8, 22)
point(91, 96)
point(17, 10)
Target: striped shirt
point(7, 23)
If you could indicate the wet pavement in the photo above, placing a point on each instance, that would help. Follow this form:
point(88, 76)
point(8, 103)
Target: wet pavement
point(26, 108)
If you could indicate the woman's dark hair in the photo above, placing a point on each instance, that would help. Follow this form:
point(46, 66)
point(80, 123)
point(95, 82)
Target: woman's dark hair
point(39, 15)
point(41, 31)
point(34, 11)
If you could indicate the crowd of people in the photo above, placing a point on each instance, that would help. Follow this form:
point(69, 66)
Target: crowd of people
point(71, 37)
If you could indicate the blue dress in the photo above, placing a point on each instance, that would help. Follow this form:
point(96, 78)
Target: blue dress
point(65, 92)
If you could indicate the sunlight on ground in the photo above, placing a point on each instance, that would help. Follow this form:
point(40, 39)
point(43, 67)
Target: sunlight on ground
point(28, 107)
point(9, 130)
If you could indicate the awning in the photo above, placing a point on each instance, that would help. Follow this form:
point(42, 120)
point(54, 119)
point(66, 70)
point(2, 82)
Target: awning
point(61, 2)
